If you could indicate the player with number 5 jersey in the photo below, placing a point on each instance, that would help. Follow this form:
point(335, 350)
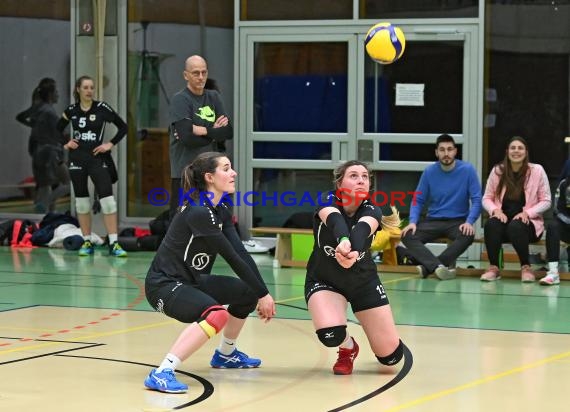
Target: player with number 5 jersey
point(90, 157)
point(341, 271)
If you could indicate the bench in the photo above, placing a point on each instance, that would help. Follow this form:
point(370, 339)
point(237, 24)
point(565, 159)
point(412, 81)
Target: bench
point(284, 254)
point(283, 245)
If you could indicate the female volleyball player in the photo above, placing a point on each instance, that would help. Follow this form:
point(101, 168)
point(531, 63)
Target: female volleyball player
point(177, 285)
point(90, 157)
point(46, 146)
point(341, 271)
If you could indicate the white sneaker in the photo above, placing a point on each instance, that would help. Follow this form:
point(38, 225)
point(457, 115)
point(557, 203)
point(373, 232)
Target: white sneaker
point(550, 279)
point(251, 246)
point(444, 273)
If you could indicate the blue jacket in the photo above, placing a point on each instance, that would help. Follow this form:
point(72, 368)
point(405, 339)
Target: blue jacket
point(455, 194)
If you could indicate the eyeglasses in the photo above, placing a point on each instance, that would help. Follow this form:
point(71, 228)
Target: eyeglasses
point(197, 73)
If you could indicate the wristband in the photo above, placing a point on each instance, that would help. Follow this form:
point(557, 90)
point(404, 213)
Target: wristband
point(343, 238)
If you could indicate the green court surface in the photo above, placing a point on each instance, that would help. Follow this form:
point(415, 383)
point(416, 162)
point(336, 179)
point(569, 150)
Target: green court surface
point(55, 277)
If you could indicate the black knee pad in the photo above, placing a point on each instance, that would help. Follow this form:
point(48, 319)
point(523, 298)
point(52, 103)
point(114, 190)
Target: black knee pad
point(332, 336)
point(394, 357)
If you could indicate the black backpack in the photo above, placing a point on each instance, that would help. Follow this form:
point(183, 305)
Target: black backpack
point(159, 225)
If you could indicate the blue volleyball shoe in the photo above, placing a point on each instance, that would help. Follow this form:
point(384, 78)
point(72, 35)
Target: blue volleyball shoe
point(235, 360)
point(164, 381)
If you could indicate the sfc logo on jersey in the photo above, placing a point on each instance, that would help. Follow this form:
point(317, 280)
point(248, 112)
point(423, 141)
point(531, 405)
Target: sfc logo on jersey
point(87, 137)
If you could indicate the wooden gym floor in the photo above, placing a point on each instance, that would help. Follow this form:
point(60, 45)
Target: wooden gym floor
point(76, 334)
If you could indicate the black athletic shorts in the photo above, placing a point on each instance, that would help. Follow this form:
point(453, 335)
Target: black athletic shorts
point(361, 293)
point(81, 167)
point(186, 303)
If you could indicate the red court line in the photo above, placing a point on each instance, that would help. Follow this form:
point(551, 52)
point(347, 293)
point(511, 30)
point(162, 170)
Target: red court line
point(139, 298)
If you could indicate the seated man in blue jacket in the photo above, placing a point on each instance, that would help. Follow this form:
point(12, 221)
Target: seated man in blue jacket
point(451, 190)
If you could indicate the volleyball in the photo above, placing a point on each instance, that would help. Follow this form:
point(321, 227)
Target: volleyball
point(385, 43)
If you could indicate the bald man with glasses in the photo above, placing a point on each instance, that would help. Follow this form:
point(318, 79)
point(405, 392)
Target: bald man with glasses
point(197, 120)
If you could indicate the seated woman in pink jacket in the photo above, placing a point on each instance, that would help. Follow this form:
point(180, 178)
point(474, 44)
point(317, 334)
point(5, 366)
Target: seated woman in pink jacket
point(516, 196)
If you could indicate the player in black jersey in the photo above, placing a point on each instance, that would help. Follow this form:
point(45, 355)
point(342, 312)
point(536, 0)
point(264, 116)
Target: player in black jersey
point(341, 270)
point(26, 117)
point(46, 146)
point(197, 120)
point(90, 157)
point(177, 285)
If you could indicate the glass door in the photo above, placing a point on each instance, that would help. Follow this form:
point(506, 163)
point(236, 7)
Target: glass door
point(296, 94)
point(308, 101)
point(404, 106)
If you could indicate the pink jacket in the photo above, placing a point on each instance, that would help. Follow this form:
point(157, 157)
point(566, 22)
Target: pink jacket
point(536, 192)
